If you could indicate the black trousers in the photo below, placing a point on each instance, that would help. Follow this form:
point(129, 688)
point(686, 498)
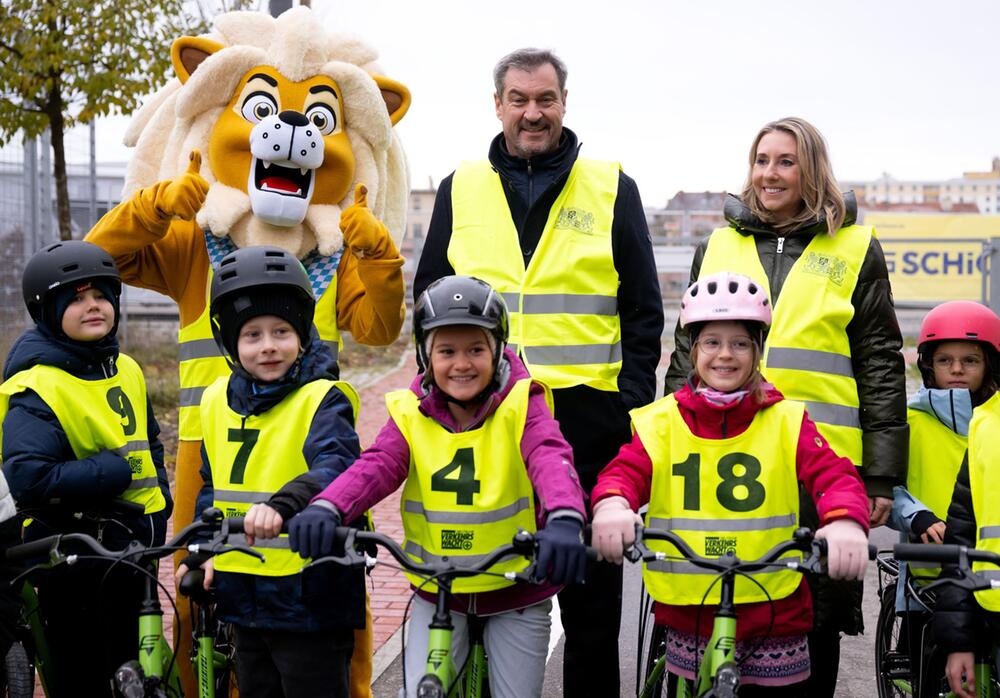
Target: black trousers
point(824, 659)
point(284, 664)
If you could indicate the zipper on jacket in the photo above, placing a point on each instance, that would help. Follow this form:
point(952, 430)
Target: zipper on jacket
point(775, 267)
point(531, 187)
point(781, 245)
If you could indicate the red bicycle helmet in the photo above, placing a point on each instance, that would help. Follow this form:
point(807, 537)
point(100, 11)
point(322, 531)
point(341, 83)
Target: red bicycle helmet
point(965, 321)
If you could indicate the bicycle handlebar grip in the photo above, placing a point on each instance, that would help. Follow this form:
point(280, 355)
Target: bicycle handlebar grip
point(235, 524)
point(922, 552)
point(25, 551)
point(872, 551)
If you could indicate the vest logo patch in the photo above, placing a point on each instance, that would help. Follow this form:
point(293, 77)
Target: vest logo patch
point(717, 546)
point(457, 540)
point(135, 464)
point(575, 219)
point(833, 268)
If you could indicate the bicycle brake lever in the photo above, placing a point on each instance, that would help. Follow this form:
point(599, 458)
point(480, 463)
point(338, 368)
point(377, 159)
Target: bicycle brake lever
point(240, 548)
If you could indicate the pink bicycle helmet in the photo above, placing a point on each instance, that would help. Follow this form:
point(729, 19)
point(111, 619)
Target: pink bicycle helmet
point(959, 320)
point(965, 320)
point(725, 296)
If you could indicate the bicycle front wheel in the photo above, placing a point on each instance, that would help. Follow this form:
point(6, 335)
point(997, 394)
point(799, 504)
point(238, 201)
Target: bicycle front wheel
point(653, 673)
point(893, 674)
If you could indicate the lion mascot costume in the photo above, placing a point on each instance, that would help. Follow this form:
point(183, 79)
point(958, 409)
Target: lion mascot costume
point(296, 127)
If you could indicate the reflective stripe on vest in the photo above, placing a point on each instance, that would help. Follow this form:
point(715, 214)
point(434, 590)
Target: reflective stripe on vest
point(813, 310)
point(253, 457)
point(98, 415)
point(984, 485)
point(936, 454)
point(564, 307)
point(467, 492)
point(737, 495)
point(201, 361)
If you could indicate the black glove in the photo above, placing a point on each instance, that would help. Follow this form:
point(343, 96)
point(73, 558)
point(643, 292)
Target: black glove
point(561, 557)
point(921, 521)
point(310, 533)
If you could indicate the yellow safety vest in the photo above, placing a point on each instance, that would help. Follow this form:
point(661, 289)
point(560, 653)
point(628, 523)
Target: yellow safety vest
point(936, 454)
point(808, 354)
point(98, 415)
point(564, 307)
point(984, 483)
point(738, 495)
point(253, 457)
point(201, 362)
point(467, 493)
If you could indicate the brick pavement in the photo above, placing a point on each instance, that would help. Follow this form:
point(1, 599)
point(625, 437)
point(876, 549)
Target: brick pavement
point(388, 588)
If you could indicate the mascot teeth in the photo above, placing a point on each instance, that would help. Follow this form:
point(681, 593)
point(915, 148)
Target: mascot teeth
point(286, 150)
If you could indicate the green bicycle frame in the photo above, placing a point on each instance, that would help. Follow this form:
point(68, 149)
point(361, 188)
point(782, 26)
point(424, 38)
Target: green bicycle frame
point(439, 663)
point(155, 655)
point(33, 616)
point(721, 648)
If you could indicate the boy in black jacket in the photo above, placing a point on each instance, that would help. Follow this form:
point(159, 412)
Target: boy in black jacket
point(79, 439)
point(277, 432)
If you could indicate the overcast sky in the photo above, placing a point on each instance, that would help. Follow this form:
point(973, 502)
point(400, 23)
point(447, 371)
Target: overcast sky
point(677, 90)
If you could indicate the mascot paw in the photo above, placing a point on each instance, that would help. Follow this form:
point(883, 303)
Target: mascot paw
point(364, 234)
point(184, 196)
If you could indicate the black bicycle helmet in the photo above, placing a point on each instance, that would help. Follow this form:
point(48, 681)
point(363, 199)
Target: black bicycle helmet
point(459, 300)
point(255, 281)
point(57, 267)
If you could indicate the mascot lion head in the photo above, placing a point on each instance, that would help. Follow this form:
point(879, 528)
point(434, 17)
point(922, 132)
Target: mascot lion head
point(289, 118)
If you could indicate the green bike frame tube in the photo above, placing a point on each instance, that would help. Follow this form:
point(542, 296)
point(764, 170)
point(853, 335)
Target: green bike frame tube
point(150, 645)
point(206, 667)
point(721, 648)
point(439, 655)
point(476, 672)
point(32, 613)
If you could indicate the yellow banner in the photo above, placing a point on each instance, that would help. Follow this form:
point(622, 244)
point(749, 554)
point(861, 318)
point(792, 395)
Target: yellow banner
point(934, 257)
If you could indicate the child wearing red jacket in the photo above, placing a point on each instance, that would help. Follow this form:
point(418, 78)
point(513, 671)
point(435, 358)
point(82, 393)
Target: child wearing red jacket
point(720, 462)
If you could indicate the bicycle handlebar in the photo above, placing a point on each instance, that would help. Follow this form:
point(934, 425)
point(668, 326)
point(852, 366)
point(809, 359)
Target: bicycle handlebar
point(523, 544)
point(211, 521)
point(802, 540)
point(959, 555)
point(924, 552)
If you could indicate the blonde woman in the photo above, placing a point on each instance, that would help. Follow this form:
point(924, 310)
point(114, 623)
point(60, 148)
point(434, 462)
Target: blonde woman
point(834, 342)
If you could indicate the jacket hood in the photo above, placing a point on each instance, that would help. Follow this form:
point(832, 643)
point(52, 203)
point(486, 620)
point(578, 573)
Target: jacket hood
point(39, 347)
point(707, 419)
point(739, 215)
point(434, 404)
point(952, 407)
point(247, 396)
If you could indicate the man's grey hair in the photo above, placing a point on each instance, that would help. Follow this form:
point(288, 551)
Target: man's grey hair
point(527, 59)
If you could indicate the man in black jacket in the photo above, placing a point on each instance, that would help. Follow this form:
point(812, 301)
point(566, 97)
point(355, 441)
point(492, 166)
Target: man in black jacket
point(565, 241)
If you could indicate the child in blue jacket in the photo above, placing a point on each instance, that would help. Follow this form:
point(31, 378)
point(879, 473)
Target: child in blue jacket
point(79, 439)
point(277, 431)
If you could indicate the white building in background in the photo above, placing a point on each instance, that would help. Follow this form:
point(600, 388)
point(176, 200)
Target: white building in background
point(979, 189)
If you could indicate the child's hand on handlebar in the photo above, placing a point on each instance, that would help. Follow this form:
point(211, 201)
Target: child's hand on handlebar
point(562, 556)
point(207, 566)
point(847, 549)
point(262, 521)
point(311, 532)
point(613, 528)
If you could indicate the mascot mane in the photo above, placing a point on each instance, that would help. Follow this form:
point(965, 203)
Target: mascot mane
point(180, 117)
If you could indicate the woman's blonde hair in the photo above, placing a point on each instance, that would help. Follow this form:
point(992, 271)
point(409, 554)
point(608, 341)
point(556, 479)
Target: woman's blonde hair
point(820, 193)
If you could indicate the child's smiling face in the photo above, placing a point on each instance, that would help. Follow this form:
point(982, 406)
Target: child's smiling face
point(461, 361)
point(724, 355)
